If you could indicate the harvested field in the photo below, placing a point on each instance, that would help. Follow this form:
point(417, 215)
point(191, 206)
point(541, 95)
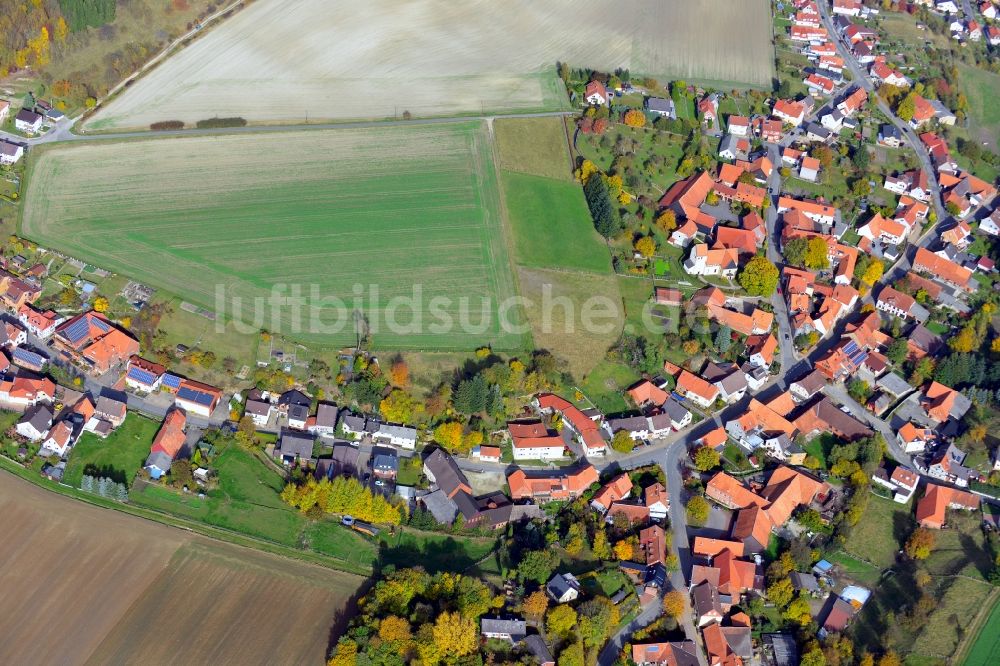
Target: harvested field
point(385, 210)
point(312, 60)
point(118, 589)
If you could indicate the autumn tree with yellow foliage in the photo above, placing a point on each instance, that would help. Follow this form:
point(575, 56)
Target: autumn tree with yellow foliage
point(635, 118)
point(646, 246)
point(455, 636)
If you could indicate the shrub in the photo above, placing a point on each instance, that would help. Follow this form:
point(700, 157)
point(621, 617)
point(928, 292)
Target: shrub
point(167, 125)
point(213, 123)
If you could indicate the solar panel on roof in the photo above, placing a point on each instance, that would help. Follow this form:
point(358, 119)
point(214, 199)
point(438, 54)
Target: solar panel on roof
point(171, 381)
point(77, 330)
point(850, 347)
point(140, 375)
point(28, 356)
point(101, 324)
point(194, 396)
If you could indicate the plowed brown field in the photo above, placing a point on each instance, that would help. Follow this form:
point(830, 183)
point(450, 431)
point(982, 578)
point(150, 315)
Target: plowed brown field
point(83, 585)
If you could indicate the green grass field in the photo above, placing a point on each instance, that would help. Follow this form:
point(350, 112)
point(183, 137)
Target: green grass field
point(986, 647)
point(552, 226)
point(535, 146)
point(879, 535)
point(382, 210)
point(121, 454)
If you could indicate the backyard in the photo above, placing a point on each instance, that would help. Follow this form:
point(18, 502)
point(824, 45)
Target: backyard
point(118, 457)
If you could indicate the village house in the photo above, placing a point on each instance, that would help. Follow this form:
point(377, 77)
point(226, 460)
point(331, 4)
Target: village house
point(143, 375)
point(614, 490)
point(506, 630)
point(324, 424)
point(10, 152)
point(533, 441)
point(405, 437)
point(682, 653)
point(596, 94)
point(259, 411)
point(57, 440)
point(28, 121)
point(40, 323)
point(35, 423)
point(167, 444)
point(563, 588)
point(933, 506)
point(548, 486)
point(696, 389)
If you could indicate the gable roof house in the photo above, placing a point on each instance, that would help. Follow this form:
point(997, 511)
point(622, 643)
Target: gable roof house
point(38, 322)
point(696, 389)
point(614, 490)
point(684, 653)
point(143, 375)
point(441, 469)
point(657, 501)
point(563, 588)
point(294, 448)
point(35, 423)
point(26, 389)
point(533, 441)
point(58, 439)
point(167, 444)
point(940, 403)
point(933, 506)
point(551, 486)
point(596, 94)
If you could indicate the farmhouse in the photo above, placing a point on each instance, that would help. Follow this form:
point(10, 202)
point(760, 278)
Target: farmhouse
point(533, 441)
point(93, 341)
point(933, 506)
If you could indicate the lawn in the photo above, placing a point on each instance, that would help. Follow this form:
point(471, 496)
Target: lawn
point(354, 219)
point(881, 532)
point(536, 146)
point(119, 456)
point(987, 644)
point(434, 552)
point(605, 383)
point(551, 225)
point(818, 447)
point(246, 500)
